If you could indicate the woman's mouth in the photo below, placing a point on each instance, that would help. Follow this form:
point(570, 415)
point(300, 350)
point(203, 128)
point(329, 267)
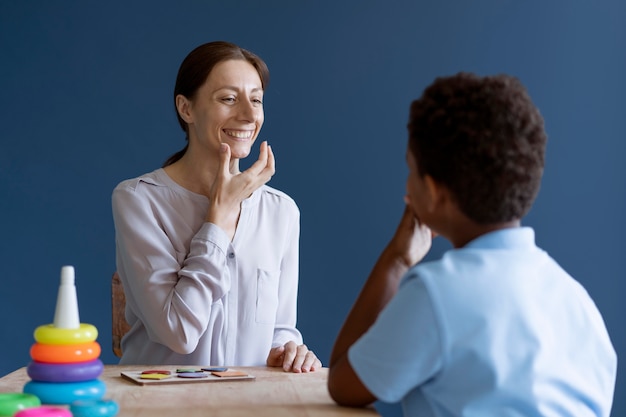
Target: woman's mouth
point(239, 134)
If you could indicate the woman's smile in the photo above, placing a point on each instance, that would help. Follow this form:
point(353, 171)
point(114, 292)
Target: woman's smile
point(238, 134)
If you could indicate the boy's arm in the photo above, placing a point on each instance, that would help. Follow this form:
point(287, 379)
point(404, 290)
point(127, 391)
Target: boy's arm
point(408, 246)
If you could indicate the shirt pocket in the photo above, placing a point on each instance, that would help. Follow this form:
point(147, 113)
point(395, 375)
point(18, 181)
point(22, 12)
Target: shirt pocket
point(266, 296)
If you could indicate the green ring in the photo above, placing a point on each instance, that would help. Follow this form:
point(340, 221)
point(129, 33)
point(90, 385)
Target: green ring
point(12, 402)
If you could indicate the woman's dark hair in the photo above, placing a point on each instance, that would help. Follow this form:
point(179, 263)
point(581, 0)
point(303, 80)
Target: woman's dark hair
point(484, 140)
point(195, 69)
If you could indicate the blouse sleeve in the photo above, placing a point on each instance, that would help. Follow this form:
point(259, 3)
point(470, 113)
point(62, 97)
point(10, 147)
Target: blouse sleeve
point(172, 300)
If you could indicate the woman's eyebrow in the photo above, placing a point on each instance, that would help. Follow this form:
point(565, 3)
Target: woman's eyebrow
point(233, 88)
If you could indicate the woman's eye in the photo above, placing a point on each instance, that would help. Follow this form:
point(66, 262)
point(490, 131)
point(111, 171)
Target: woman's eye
point(257, 101)
point(228, 99)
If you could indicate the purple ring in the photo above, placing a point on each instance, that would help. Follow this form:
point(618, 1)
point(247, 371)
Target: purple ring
point(65, 372)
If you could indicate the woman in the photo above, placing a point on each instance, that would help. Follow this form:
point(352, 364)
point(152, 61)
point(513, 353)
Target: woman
point(208, 255)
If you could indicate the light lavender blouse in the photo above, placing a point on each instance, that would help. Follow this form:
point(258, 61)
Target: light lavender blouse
point(193, 297)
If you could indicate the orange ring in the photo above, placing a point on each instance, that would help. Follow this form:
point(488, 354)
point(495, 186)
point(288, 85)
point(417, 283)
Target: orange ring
point(80, 352)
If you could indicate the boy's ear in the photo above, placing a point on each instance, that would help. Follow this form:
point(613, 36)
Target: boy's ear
point(437, 194)
point(183, 106)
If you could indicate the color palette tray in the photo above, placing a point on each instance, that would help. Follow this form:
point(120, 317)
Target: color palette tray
point(167, 375)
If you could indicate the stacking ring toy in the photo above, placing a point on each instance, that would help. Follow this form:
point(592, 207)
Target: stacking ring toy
point(44, 411)
point(65, 392)
point(50, 335)
point(65, 372)
point(82, 352)
point(12, 402)
point(96, 408)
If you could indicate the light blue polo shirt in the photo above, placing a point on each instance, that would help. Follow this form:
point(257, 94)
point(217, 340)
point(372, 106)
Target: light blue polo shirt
point(496, 328)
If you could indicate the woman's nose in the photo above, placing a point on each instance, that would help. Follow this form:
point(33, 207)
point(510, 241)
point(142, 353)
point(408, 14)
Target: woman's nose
point(248, 111)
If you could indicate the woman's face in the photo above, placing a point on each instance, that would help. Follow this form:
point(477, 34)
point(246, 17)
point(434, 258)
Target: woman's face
point(228, 108)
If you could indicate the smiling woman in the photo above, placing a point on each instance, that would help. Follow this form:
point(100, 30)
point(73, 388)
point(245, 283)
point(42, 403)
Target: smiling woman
point(207, 254)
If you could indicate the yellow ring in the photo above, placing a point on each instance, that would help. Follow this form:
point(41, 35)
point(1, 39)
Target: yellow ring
point(50, 335)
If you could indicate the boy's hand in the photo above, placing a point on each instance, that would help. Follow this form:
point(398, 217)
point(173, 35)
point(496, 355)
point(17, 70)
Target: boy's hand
point(412, 240)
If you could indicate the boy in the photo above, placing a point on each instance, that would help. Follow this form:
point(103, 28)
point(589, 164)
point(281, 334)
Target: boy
point(496, 327)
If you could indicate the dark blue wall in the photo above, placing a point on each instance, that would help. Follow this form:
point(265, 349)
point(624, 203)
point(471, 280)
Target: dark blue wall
point(85, 101)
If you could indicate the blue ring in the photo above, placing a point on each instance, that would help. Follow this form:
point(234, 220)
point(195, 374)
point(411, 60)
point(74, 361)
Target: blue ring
point(65, 392)
point(97, 408)
point(65, 372)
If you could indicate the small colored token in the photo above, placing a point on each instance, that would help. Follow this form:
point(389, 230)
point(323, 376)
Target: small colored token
point(12, 402)
point(187, 370)
point(215, 369)
point(65, 372)
point(44, 411)
point(65, 392)
point(48, 334)
point(156, 371)
point(154, 376)
point(192, 375)
point(229, 374)
point(94, 408)
point(82, 352)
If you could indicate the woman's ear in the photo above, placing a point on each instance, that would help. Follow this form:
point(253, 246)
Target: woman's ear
point(183, 106)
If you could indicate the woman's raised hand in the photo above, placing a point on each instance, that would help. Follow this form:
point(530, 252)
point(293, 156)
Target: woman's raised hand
point(230, 189)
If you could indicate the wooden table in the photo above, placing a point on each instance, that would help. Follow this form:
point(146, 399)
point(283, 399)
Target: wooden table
point(272, 393)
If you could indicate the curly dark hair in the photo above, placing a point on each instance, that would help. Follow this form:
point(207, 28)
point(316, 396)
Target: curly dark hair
point(484, 140)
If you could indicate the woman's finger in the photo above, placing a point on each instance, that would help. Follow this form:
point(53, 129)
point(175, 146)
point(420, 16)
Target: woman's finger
point(298, 361)
point(274, 358)
point(289, 355)
point(224, 159)
point(261, 163)
point(311, 362)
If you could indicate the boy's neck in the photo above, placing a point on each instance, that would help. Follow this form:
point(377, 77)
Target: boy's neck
point(461, 233)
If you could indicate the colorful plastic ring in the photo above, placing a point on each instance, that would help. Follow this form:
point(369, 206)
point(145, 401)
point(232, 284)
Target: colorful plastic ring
point(50, 335)
point(96, 408)
point(12, 402)
point(44, 411)
point(65, 392)
point(82, 352)
point(65, 372)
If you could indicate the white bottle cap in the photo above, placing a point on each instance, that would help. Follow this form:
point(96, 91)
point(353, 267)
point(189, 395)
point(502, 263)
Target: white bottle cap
point(66, 313)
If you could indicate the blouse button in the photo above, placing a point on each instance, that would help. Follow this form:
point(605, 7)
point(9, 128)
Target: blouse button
point(231, 255)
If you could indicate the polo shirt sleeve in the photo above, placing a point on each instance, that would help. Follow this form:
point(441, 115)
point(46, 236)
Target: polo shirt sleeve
point(402, 349)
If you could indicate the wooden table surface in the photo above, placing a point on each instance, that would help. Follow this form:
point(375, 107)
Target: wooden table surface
point(272, 393)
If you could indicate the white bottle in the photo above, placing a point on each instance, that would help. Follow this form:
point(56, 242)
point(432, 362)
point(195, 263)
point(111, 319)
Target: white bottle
point(66, 313)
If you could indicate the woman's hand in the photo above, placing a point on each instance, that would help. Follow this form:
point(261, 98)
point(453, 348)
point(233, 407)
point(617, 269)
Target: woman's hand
point(293, 358)
point(230, 189)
